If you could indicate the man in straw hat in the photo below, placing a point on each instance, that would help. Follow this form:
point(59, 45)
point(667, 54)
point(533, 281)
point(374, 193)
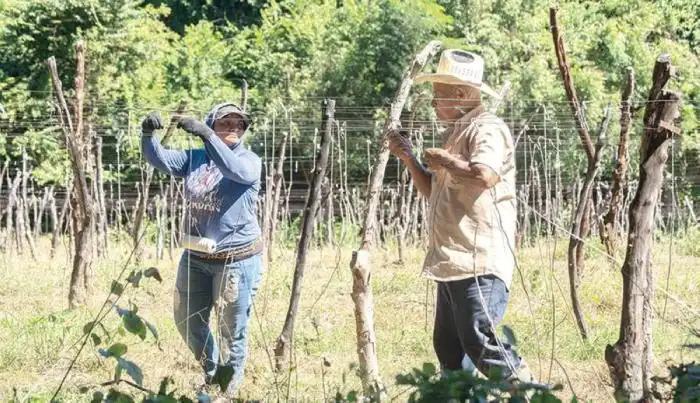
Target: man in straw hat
point(470, 184)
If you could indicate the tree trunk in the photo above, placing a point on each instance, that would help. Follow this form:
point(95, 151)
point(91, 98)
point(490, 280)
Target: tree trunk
point(360, 264)
point(611, 222)
point(312, 205)
point(630, 358)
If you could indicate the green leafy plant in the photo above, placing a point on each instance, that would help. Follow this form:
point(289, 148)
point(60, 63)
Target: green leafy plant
point(133, 324)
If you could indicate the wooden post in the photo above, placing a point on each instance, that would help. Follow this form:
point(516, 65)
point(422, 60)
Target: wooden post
point(172, 211)
point(38, 219)
point(611, 221)
point(267, 198)
point(82, 203)
point(244, 95)
point(278, 189)
point(102, 206)
point(23, 222)
point(630, 358)
point(577, 227)
point(575, 258)
point(330, 214)
point(11, 202)
point(312, 205)
point(360, 265)
point(160, 236)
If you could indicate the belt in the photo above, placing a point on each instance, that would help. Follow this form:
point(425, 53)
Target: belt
point(236, 254)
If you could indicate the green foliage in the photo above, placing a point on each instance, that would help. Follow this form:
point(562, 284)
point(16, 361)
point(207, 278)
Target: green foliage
point(428, 385)
point(136, 325)
point(149, 55)
point(683, 380)
point(190, 12)
point(463, 386)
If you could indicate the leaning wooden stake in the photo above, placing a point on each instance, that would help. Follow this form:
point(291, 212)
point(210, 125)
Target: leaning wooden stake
point(360, 263)
point(630, 359)
point(82, 201)
point(577, 226)
point(581, 220)
point(278, 189)
point(310, 211)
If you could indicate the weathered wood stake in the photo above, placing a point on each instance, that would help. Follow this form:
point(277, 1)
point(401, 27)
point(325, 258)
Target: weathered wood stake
point(630, 358)
point(312, 205)
point(360, 265)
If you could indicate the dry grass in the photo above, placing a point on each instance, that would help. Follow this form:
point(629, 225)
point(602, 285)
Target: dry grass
point(38, 334)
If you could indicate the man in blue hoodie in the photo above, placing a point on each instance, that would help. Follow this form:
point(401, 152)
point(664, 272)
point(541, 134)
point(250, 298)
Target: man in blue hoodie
point(221, 266)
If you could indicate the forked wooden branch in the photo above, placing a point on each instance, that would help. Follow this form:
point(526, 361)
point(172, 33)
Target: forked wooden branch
point(569, 87)
point(360, 264)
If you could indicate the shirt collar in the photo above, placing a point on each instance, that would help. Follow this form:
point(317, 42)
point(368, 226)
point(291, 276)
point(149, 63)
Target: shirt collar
point(470, 116)
point(464, 121)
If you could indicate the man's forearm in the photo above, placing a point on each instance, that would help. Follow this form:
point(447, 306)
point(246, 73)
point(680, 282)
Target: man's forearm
point(421, 177)
point(475, 174)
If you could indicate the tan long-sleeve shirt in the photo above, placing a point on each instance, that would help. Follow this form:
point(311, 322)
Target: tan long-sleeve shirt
point(472, 229)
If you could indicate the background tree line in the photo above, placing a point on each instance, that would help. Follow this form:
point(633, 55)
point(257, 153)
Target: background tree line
point(149, 55)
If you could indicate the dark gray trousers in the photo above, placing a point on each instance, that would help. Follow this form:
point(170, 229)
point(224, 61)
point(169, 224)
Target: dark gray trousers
point(462, 326)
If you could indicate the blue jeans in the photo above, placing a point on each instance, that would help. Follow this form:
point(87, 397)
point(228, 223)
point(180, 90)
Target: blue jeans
point(230, 289)
point(462, 327)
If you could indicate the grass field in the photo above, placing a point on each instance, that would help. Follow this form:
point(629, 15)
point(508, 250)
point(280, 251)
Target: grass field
point(38, 334)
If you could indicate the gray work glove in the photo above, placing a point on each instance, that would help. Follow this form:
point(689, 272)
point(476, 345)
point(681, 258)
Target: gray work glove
point(151, 123)
point(195, 127)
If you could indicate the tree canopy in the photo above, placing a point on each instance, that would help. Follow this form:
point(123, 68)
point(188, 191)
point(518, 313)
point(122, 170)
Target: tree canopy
point(149, 55)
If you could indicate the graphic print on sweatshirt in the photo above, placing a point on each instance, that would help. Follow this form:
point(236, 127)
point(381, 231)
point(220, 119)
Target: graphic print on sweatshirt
point(204, 201)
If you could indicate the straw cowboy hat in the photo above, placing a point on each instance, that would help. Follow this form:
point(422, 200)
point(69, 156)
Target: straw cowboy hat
point(459, 67)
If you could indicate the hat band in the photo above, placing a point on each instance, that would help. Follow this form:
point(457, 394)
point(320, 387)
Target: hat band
point(466, 73)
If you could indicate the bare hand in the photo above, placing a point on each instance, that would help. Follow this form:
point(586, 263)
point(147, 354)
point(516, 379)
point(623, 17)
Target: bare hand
point(438, 158)
point(400, 146)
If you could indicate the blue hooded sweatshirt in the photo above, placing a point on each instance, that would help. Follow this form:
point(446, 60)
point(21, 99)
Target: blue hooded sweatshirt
point(221, 186)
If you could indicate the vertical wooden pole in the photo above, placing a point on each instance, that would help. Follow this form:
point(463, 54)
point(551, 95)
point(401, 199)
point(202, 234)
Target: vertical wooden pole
point(278, 189)
point(312, 204)
point(360, 265)
point(630, 358)
point(82, 202)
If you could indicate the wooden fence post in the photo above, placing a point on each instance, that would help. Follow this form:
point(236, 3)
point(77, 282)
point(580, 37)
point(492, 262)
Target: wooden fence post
point(630, 358)
point(278, 190)
point(312, 205)
point(60, 222)
point(82, 205)
point(360, 265)
point(581, 223)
